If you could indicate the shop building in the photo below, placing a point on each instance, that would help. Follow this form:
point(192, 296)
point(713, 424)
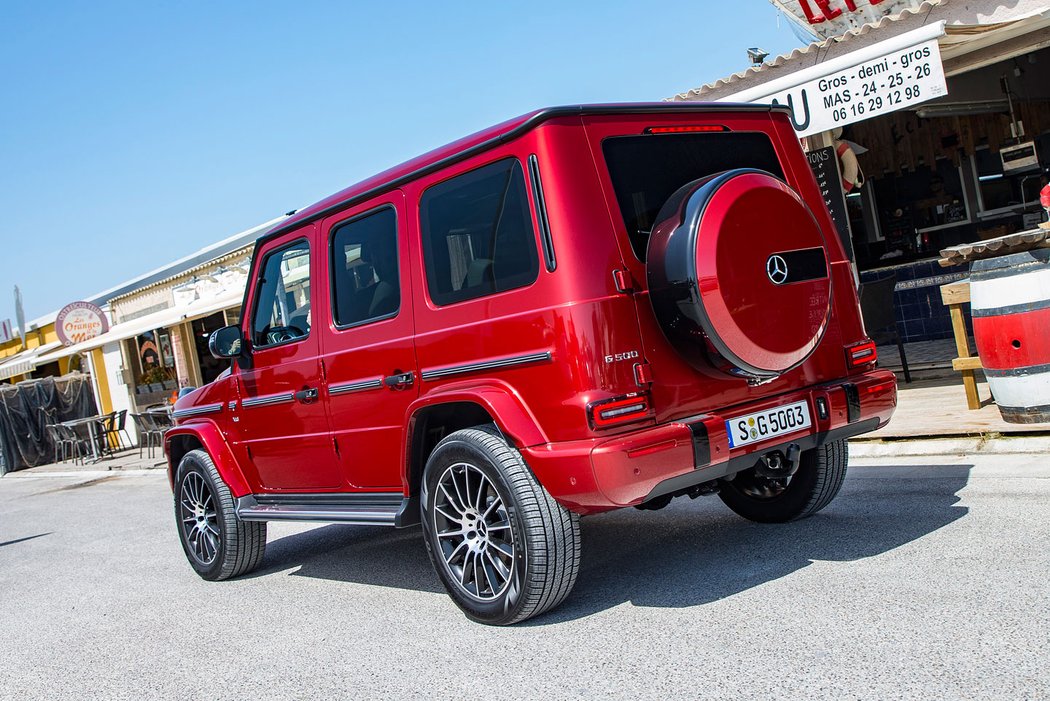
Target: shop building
point(19, 361)
point(157, 341)
point(30, 360)
point(927, 125)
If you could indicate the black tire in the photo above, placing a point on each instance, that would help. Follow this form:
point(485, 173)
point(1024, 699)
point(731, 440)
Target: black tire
point(820, 474)
point(543, 537)
point(238, 546)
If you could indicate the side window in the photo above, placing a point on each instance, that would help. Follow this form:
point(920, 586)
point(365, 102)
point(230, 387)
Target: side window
point(477, 234)
point(365, 281)
point(282, 303)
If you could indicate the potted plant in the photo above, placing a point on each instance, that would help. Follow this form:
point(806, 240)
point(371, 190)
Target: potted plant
point(155, 378)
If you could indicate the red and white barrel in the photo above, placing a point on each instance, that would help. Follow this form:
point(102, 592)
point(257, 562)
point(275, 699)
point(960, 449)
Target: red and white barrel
point(1010, 302)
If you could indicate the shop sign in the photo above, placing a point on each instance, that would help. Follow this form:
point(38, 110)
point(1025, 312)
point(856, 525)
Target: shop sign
point(80, 321)
point(830, 18)
point(882, 85)
point(6, 331)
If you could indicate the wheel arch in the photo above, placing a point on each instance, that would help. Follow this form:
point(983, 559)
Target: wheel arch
point(204, 436)
point(435, 416)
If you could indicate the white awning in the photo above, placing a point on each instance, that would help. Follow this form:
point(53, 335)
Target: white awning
point(157, 320)
point(26, 361)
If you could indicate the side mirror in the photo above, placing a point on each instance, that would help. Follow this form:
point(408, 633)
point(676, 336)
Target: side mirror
point(227, 342)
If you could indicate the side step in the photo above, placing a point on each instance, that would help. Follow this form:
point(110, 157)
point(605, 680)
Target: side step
point(359, 509)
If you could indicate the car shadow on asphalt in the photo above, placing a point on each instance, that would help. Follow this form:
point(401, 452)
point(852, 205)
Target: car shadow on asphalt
point(381, 557)
point(688, 554)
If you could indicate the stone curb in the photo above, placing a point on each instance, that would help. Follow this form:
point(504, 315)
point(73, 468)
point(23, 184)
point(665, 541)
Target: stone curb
point(984, 445)
point(88, 474)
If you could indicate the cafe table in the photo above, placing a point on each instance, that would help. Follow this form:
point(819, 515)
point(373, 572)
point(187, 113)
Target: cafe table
point(94, 424)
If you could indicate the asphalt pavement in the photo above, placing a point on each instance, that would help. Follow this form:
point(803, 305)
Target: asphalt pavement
point(926, 578)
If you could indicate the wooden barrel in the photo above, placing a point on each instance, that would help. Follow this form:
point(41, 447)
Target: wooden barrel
point(1010, 301)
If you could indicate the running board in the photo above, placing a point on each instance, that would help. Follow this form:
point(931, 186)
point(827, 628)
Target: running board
point(356, 509)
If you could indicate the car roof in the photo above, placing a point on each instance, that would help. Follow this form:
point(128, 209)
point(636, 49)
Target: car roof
point(480, 141)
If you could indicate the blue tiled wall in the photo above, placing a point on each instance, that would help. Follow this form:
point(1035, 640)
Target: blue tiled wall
point(921, 316)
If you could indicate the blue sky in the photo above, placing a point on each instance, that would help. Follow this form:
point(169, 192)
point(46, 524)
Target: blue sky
point(134, 133)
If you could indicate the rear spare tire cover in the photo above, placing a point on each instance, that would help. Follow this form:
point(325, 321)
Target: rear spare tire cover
point(737, 268)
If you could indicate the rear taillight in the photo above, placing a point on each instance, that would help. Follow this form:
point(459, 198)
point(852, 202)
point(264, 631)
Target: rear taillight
point(619, 410)
point(690, 129)
point(861, 354)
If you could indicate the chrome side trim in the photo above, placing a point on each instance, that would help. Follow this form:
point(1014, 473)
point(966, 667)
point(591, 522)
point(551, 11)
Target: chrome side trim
point(436, 373)
point(248, 509)
point(232, 405)
point(355, 386)
point(197, 410)
point(268, 399)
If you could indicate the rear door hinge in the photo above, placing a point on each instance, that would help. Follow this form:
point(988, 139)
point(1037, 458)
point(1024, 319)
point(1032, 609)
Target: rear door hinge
point(643, 374)
point(623, 281)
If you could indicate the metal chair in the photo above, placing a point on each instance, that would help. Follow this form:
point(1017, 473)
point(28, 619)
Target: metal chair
point(150, 435)
point(162, 423)
point(71, 443)
point(54, 432)
point(880, 315)
point(115, 425)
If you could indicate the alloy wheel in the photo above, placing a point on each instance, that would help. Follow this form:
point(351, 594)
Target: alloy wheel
point(198, 518)
point(474, 532)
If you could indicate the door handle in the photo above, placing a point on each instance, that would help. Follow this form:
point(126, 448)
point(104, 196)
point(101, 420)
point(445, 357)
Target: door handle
point(399, 381)
point(306, 395)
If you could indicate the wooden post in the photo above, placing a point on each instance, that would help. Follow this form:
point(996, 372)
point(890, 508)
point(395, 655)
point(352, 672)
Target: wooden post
point(954, 295)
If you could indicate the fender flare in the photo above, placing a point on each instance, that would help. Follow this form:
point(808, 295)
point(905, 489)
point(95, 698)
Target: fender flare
point(499, 399)
point(211, 439)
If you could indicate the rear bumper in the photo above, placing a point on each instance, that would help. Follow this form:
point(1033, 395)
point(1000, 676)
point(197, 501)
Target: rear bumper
point(607, 473)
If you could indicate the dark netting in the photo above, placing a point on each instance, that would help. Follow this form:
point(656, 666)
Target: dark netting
point(27, 408)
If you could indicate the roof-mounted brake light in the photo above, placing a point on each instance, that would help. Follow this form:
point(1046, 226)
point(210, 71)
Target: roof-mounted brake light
point(692, 128)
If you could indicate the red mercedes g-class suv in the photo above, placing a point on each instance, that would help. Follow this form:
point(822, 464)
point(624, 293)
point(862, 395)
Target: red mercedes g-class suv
point(578, 310)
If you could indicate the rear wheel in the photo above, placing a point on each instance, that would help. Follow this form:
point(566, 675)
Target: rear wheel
point(817, 481)
point(504, 549)
point(217, 544)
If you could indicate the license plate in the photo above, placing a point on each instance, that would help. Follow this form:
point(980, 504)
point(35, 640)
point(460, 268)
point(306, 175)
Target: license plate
point(762, 425)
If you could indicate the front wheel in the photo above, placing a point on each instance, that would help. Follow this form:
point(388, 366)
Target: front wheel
point(217, 544)
point(817, 481)
point(504, 549)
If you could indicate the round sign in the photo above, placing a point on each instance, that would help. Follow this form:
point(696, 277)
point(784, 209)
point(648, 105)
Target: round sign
point(80, 321)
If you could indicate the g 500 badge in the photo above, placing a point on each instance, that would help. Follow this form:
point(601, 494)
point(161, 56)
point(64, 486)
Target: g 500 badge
point(617, 357)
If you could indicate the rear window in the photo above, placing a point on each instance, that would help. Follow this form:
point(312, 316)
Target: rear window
point(647, 170)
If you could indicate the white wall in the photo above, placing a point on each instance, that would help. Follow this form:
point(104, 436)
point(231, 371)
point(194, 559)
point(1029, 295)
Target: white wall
point(118, 392)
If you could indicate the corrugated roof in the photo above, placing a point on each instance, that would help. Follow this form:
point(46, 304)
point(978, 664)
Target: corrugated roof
point(813, 51)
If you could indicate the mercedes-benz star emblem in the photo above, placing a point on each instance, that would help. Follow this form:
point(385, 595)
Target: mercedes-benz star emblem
point(777, 269)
